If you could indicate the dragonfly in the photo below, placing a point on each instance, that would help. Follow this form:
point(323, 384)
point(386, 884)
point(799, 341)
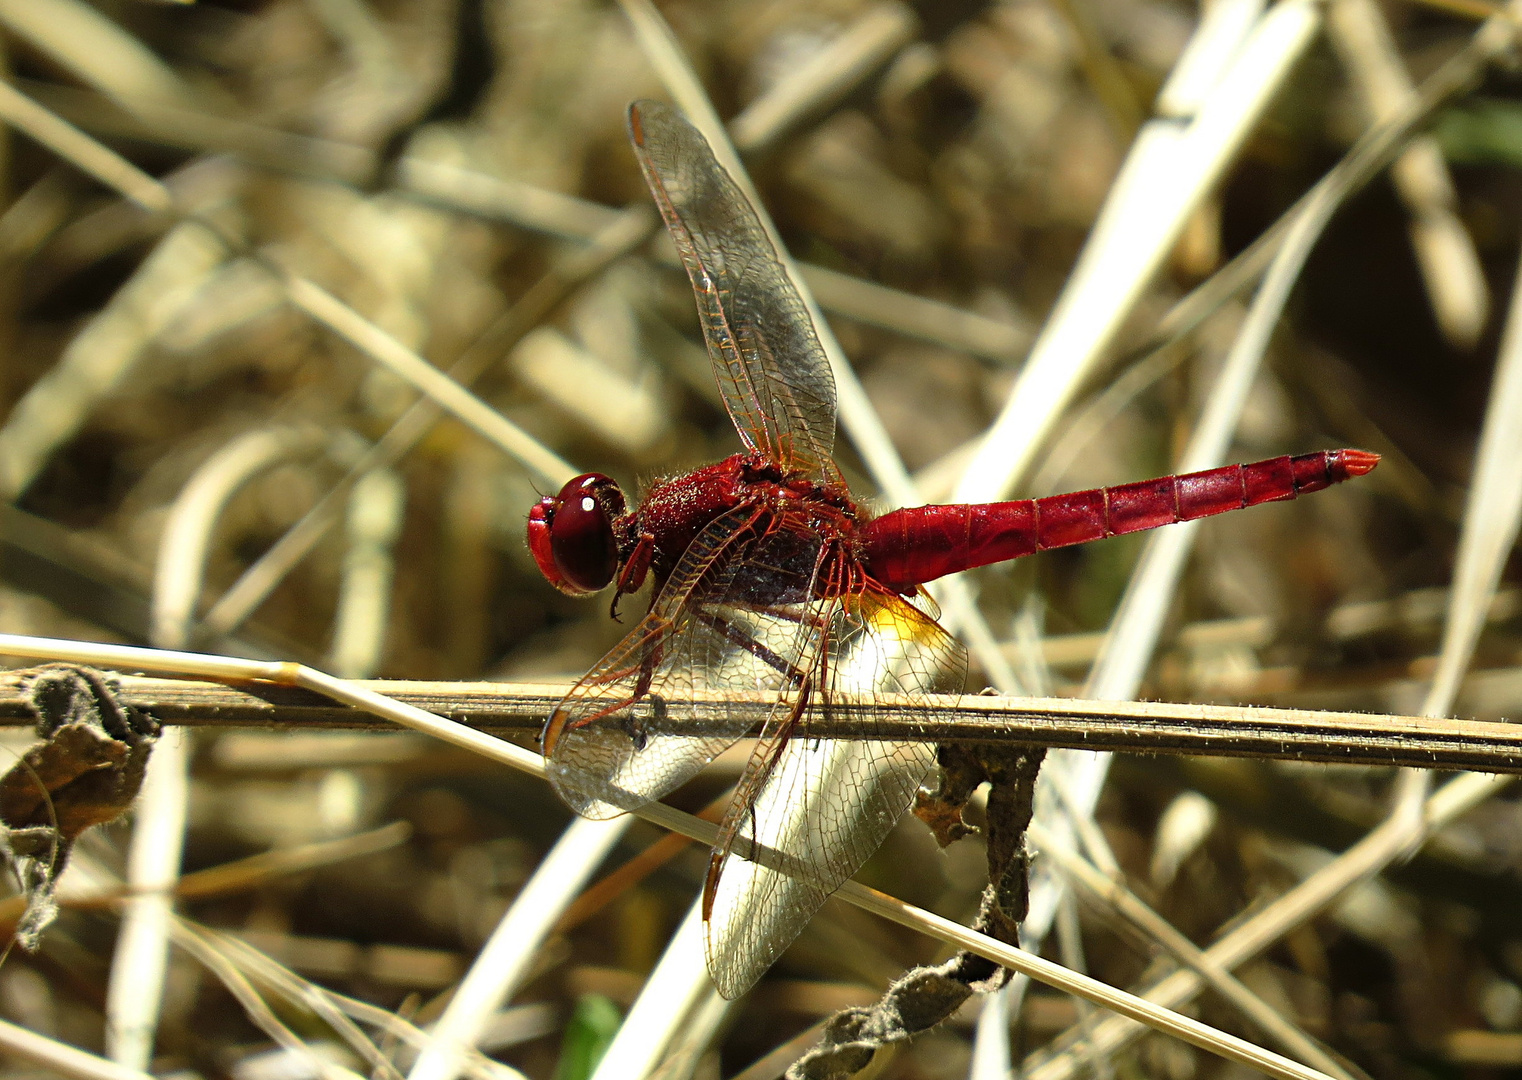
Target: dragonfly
point(770, 579)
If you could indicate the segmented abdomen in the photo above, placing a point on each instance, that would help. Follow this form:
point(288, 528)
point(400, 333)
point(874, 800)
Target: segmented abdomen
point(918, 544)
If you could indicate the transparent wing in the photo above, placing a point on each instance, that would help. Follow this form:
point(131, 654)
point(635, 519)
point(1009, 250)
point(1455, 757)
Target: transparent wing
point(772, 372)
point(730, 621)
point(818, 808)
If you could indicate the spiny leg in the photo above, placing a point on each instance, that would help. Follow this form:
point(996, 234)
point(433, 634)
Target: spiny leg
point(738, 637)
point(757, 775)
point(646, 669)
point(745, 797)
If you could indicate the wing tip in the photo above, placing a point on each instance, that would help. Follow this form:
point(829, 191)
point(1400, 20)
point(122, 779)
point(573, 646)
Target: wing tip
point(636, 125)
point(639, 109)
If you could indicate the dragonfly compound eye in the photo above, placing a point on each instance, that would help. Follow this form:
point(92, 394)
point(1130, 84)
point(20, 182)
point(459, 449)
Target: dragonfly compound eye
point(571, 534)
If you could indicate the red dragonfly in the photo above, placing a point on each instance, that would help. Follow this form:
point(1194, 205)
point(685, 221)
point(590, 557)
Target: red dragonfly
point(768, 575)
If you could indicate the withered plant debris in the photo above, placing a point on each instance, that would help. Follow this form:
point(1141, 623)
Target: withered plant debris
point(86, 772)
point(927, 996)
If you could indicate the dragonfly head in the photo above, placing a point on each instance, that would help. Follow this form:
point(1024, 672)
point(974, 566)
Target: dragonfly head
point(571, 534)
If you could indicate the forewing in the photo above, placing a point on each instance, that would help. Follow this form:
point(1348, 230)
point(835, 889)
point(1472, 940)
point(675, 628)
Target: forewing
point(772, 372)
point(821, 807)
point(652, 712)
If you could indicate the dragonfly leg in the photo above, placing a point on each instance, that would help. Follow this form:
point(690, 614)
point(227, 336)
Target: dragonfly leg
point(807, 616)
point(557, 726)
point(638, 735)
point(745, 798)
point(636, 566)
point(843, 575)
point(739, 637)
point(774, 743)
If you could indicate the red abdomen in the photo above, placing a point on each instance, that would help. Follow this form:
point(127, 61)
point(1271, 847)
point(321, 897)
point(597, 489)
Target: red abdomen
point(921, 543)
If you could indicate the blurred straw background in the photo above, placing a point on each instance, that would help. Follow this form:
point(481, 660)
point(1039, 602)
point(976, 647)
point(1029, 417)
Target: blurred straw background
point(239, 240)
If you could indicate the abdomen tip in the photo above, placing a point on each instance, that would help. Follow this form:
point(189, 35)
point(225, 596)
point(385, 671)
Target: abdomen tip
point(1356, 462)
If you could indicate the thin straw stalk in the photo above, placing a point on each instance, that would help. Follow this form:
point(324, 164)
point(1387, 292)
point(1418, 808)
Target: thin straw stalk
point(292, 674)
point(1152, 727)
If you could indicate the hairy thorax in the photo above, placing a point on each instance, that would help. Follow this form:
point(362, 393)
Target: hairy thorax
point(798, 522)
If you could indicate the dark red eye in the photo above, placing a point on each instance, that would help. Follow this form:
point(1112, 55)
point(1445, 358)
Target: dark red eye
point(571, 534)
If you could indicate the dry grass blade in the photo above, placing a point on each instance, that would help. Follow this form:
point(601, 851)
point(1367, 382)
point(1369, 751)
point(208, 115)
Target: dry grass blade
point(1132, 639)
point(832, 73)
point(1491, 518)
point(256, 870)
point(1003, 341)
point(341, 1014)
point(142, 951)
point(524, 205)
point(546, 466)
point(94, 48)
point(503, 962)
point(206, 951)
point(184, 547)
point(304, 294)
point(1391, 840)
point(1139, 619)
point(231, 961)
point(373, 526)
point(658, 1015)
point(1371, 153)
point(84, 152)
point(616, 237)
point(103, 354)
point(1103, 72)
point(686, 1052)
point(1122, 726)
point(1450, 265)
point(197, 129)
point(138, 966)
point(690, 956)
point(1165, 177)
point(1133, 1008)
point(60, 1058)
point(1111, 894)
point(250, 872)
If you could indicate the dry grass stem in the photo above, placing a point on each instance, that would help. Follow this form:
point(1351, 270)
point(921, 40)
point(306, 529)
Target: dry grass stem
point(60, 1058)
point(1135, 726)
point(686, 969)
